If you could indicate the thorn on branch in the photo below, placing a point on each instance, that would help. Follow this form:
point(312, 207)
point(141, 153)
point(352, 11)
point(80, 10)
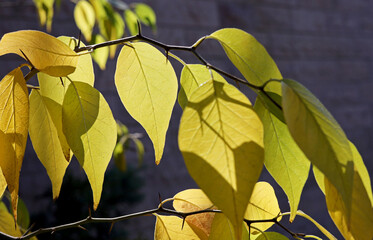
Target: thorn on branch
point(111, 227)
point(139, 28)
point(81, 227)
point(79, 39)
point(62, 82)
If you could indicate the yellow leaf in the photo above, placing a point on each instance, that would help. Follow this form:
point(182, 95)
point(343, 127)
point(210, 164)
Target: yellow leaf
point(318, 225)
point(263, 205)
point(53, 90)
point(221, 139)
point(2, 183)
point(7, 224)
point(84, 15)
point(45, 140)
point(171, 228)
point(249, 56)
point(147, 86)
point(45, 11)
point(192, 76)
point(191, 200)
point(354, 222)
point(14, 119)
point(100, 55)
point(91, 132)
point(223, 229)
point(46, 53)
point(313, 127)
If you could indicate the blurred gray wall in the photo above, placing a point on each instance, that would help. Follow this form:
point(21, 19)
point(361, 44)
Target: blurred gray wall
point(324, 44)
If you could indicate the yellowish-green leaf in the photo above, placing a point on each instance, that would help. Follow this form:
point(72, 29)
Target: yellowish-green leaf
point(222, 229)
point(100, 55)
point(14, 120)
point(2, 183)
point(45, 11)
point(283, 158)
point(116, 31)
point(147, 86)
point(355, 222)
point(318, 225)
point(249, 56)
point(146, 15)
point(221, 139)
point(191, 200)
point(46, 53)
point(7, 225)
point(140, 151)
point(192, 76)
point(91, 132)
point(45, 139)
point(263, 205)
point(84, 15)
point(319, 136)
point(172, 227)
point(269, 236)
point(120, 157)
point(131, 21)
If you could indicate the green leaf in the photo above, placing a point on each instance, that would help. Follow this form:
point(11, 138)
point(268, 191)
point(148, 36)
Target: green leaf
point(84, 15)
point(14, 112)
point(120, 157)
point(100, 55)
point(172, 227)
point(222, 229)
point(263, 205)
point(45, 11)
point(140, 150)
point(221, 139)
point(319, 136)
point(7, 222)
point(23, 219)
point(131, 21)
point(283, 158)
point(249, 56)
point(46, 53)
point(146, 15)
point(45, 139)
point(192, 76)
point(147, 86)
point(90, 130)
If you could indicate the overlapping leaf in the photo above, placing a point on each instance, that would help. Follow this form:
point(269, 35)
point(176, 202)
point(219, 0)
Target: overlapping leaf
point(45, 53)
point(84, 15)
point(45, 139)
point(283, 158)
point(192, 76)
point(319, 136)
point(195, 200)
point(248, 55)
point(7, 224)
point(2, 183)
point(221, 139)
point(147, 86)
point(14, 119)
point(146, 15)
point(222, 229)
point(263, 205)
point(172, 227)
point(90, 130)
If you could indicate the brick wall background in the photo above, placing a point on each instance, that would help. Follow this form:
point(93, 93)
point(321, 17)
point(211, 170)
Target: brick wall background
point(324, 44)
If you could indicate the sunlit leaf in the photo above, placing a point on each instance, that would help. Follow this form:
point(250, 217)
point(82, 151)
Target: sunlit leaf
point(192, 76)
point(45, 139)
point(356, 221)
point(319, 136)
point(171, 227)
point(100, 55)
point(45, 11)
point(221, 139)
point(91, 132)
point(46, 53)
point(116, 31)
point(131, 21)
point(147, 86)
point(7, 222)
point(140, 150)
point(120, 157)
point(283, 158)
point(191, 200)
point(263, 205)
point(23, 215)
point(2, 183)
point(14, 120)
point(222, 229)
point(248, 55)
point(84, 15)
point(146, 15)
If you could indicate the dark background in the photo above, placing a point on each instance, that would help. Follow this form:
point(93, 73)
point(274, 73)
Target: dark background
point(324, 44)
